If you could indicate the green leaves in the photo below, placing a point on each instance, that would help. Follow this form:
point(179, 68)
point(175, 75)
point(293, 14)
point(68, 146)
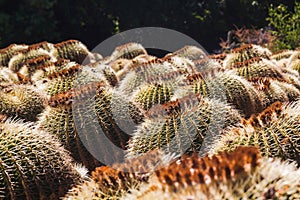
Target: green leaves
point(286, 26)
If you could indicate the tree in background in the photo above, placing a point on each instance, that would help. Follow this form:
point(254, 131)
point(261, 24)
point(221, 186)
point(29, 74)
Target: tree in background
point(92, 21)
point(286, 26)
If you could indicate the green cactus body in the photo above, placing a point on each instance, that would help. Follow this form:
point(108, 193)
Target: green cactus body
point(21, 101)
point(245, 53)
point(86, 119)
point(33, 164)
point(128, 51)
point(7, 53)
point(259, 68)
point(238, 91)
point(152, 94)
point(181, 126)
point(275, 132)
point(189, 52)
point(241, 174)
point(72, 50)
point(113, 182)
point(140, 73)
point(58, 120)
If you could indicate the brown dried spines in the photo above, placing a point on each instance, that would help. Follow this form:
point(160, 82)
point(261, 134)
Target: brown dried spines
point(195, 170)
point(111, 182)
point(275, 132)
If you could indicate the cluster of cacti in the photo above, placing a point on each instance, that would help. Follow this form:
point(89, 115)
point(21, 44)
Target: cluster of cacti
point(275, 131)
point(112, 182)
point(123, 106)
point(242, 174)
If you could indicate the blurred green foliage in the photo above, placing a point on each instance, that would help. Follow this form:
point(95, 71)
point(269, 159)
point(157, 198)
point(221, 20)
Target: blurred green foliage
point(286, 26)
point(92, 21)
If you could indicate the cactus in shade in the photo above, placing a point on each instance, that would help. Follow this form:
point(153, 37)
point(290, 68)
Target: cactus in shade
point(22, 101)
point(72, 50)
point(275, 132)
point(128, 51)
point(237, 91)
point(7, 53)
point(185, 125)
point(189, 52)
point(112, 182)
point(242, 174)
point(33, 164)
point(244, 53)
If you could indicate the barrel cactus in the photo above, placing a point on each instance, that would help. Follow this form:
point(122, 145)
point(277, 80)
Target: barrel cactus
point(275, 132)
point(22, 101)
point(128, 51)
point(112, 182)
point(242, 174)
point(189, 52)
point(231, 88)
point(72, 50)
point(244, 53)
point(7, 53)
point(34, 165)
point(184, 125)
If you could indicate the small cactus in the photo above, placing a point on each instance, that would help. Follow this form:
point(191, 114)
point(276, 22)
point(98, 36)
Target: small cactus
point(237, 91)
point(17, 61)
point(242, 174)
point(180, 126)
point(72, 50)
point(189, 52)
point(33, 163)
point(128, 51)
point(7, 53)
point(275, 132)
point(243, 53)
point(22, 101)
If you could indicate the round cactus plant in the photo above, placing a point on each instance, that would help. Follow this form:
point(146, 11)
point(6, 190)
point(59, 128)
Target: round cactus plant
point(7, 53)
point(244, 53)
point(128, 51)
point(22, 101)
point(275, 132)
point(34, 165)
point(72, 50)
point(237, 91)
point(236, 175)
point(185, 125)
point(115, 181)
